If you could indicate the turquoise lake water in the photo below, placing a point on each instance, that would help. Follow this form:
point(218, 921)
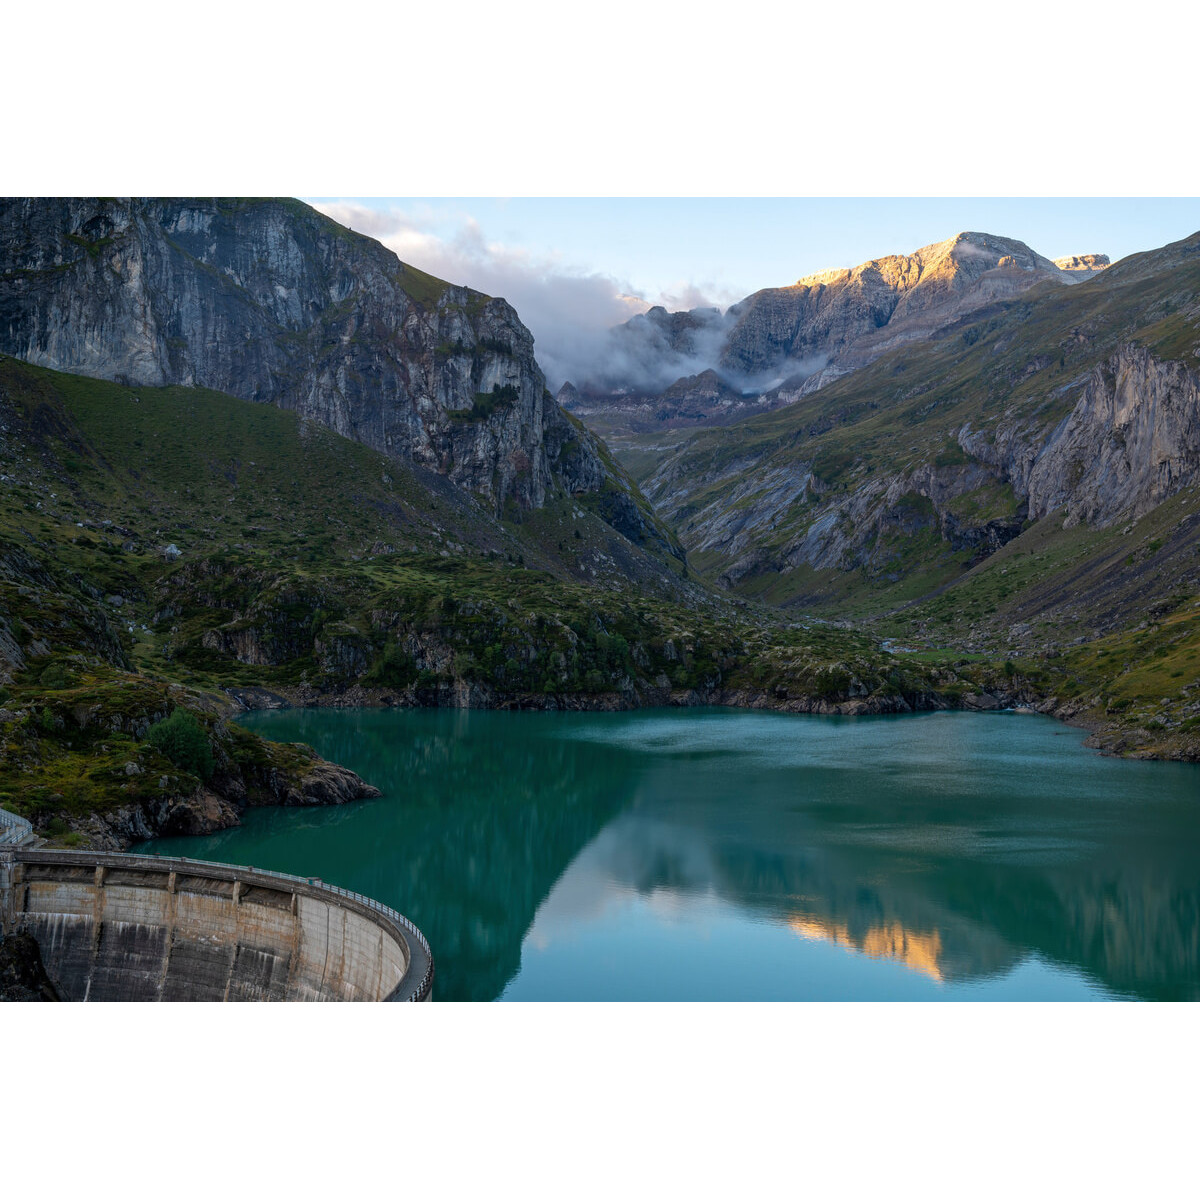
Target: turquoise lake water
point(718, 854)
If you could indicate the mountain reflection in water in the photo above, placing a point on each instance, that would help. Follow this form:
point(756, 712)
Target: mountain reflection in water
point(919, 951)
point(714, 853)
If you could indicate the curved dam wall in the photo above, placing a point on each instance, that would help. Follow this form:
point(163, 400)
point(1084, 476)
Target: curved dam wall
point(137, 927)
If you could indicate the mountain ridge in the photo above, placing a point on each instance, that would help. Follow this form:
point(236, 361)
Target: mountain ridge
point(780, 343)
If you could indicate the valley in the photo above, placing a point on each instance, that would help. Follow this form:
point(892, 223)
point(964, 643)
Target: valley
point(249, 460)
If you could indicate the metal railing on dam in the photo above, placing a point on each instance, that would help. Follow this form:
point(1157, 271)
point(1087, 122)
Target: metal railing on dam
point(142, 927)
point(13, 829)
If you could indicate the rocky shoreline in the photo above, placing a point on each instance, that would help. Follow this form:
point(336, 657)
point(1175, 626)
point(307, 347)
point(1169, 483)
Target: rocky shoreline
point(308, 780)
point(1107, 737)
point(218, 806)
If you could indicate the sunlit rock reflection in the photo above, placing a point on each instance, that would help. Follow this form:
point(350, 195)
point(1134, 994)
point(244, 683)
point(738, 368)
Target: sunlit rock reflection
point(918, 951)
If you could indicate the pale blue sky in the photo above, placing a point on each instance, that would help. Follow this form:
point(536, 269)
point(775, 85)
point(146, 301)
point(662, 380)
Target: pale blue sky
point(740, 245)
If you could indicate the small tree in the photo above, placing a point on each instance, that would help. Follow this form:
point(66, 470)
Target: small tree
point(394, 668)
point(182, 739)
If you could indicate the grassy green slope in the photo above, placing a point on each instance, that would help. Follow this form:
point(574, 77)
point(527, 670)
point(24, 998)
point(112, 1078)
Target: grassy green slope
point(264, 509)
point(1108, 620)
point(206, 471)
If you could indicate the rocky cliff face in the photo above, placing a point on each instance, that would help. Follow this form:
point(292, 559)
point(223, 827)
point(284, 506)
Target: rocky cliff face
point(1131, 441)
point(753, 528)
point(270, 301)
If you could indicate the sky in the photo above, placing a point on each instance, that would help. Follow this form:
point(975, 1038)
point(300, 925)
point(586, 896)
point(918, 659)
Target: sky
point(574, 268)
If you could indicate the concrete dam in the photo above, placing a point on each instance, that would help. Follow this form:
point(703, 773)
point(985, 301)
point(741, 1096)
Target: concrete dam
point(137, 927)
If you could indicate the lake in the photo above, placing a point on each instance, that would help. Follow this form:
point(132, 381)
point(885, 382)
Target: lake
point(717, 854)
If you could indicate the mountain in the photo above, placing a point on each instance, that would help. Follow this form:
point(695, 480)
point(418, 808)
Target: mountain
point(782, 343)
point(270, 301)
point(1080, 406)
point(904, 296)
point(1021, 484)
point(651, 350)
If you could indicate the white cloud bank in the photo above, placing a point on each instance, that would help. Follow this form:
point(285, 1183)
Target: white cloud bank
point(570, 310)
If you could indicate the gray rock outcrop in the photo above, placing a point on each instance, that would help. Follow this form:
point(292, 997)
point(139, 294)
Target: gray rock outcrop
point(1083, 265)
point(1131, 441)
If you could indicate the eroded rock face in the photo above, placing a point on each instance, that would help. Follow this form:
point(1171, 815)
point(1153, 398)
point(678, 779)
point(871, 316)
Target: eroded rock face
point(1132, 440)
point(272, 302)
point(864, 528)
point(821, 316)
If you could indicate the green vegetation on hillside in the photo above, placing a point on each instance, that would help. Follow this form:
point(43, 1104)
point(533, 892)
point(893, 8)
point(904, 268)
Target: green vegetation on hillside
point(160, 546)
point(85, 744)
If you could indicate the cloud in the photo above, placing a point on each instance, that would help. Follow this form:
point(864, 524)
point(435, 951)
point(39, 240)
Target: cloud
point(685, 295)
point(571, 310)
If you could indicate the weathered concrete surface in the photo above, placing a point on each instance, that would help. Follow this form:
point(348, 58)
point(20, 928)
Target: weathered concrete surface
point(133, 927)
